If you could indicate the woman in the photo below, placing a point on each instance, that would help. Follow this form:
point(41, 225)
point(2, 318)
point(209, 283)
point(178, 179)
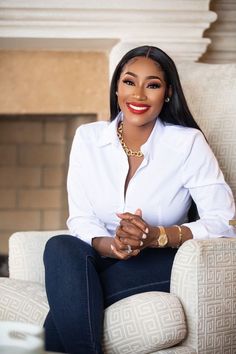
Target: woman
point(131, 184)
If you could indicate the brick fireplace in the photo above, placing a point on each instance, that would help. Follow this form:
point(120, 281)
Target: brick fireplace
point(34, 152)
point(44, 97)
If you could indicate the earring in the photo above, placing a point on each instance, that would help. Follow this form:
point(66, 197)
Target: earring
point(116, 92)
point(167, 99)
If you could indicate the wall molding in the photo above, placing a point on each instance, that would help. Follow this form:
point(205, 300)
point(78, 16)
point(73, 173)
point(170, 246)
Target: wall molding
point(222, 33)
point(177, 26)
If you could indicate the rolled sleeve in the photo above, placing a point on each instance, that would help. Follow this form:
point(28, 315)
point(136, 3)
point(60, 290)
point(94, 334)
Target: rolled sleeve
point(198, 230)
point(86, 228)
point(212, 195)
point(82, 221)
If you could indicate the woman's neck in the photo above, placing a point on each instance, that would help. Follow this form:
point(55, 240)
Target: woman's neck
point(135, 136)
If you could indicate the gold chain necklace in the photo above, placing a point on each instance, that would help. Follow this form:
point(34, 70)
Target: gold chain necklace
point(128, 151)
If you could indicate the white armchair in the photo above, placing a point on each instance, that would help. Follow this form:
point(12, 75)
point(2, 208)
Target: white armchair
point(199, 314)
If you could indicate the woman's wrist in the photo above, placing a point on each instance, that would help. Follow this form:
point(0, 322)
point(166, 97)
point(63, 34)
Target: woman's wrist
point(177, 235)
point(159, 237)
point(103, 245)
point(171, 236)
point(153, 235)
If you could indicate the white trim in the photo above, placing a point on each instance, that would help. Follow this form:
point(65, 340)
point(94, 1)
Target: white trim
point(106, 25)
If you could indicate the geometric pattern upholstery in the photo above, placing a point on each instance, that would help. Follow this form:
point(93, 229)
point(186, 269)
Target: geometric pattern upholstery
point(144, 323)
point(210, 91)
point(22, 301)
point(26, 254)
point(203, 282)
point(138, 324)
point(150, 321)
point(178, 350)
point(204, 279)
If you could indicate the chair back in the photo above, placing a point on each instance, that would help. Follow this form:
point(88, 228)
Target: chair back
point(210, 90)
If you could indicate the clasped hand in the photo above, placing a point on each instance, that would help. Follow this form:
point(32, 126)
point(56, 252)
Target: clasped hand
point(132, 235)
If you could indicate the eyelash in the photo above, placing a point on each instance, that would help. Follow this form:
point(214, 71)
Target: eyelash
point(128, 82)
point(154, 85)
point(151, 85)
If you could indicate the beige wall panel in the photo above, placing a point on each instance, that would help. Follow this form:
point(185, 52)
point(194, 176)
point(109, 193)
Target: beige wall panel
point(54, 82)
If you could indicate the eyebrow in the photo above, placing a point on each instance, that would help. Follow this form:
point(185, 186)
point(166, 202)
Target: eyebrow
point(148, 77)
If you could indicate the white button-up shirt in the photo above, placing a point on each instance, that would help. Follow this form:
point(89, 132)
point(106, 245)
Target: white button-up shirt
point(178, 164)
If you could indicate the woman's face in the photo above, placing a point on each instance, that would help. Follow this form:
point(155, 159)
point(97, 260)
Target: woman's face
point(141, 91)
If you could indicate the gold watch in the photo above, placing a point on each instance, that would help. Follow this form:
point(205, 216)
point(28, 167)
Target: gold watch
point(162, 239)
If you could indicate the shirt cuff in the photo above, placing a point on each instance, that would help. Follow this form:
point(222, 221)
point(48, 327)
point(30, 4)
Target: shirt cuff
point(89, 239)
point(87, 234)
point(198, 230)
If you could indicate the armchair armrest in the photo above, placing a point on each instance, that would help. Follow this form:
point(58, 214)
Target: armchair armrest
point(204, 279)
point(26, 254)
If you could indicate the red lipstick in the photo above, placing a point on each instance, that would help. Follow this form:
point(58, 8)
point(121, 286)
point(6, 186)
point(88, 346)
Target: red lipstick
point(137, 108)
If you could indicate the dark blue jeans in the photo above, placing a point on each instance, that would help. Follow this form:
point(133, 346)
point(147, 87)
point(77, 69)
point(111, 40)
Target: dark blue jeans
point(80, 284)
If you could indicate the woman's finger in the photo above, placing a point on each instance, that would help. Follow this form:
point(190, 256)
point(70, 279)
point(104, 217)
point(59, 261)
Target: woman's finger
point(126, 238)
point(123, 255)
point(123, 242)
point(130, 229)
point(119, 254)
point(133, 243)
point(120, 246)
point(134, 219)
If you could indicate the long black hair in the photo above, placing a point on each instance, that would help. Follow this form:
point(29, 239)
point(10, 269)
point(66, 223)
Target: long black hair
point(176, 111)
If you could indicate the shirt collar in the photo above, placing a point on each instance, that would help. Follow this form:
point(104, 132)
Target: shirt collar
point(148, 148)
point(109, 135)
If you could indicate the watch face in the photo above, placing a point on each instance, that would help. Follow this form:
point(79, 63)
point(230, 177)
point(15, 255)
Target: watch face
point(162, 240)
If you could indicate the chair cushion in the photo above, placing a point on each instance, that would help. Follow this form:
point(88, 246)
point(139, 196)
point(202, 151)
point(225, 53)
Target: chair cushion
point(22, 301)
point(144, 323)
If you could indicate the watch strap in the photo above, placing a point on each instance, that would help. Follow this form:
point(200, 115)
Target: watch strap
point(162, 238)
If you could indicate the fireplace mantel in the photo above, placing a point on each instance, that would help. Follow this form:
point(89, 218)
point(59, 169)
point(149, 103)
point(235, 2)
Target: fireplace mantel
point(176, 26)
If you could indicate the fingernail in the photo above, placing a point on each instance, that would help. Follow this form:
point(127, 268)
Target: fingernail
point(146, 230)
point(141, 243)
point(144, 236)
point(112, 247)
